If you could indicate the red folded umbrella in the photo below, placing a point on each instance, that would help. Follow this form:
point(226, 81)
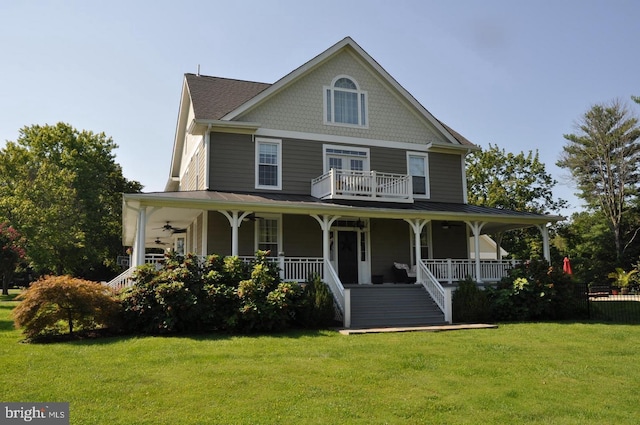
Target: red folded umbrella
point(567, 266)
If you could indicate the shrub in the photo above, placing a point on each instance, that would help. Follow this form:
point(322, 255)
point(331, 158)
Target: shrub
point(534, 291)
point(55, 303)
point(316, 309)
point(470, 303)
point(266, 303)
point(188, 295)
point(167, 300)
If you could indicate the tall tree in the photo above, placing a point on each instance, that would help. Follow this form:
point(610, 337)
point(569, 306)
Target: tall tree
point(62, 188)
point(11, 252)
point(520, 182)
point(602, 157)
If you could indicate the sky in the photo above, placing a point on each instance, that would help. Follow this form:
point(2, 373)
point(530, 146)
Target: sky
point(515, 74)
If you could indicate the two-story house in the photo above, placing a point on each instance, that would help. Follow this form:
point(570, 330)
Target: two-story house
point(336, 169)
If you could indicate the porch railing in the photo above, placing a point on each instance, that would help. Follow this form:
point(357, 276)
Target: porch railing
point(296, 269)
point(441, 296)
point(293, 269)
point(372, 185)
point(123, 280)
point(452, 270)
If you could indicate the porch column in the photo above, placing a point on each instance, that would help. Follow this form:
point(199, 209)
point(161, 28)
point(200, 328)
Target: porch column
point(476, 228)
point(325, 222)
point(498, 241)
point(417, 225)
point(544, 230)
point(235, 221)
point(141, 235)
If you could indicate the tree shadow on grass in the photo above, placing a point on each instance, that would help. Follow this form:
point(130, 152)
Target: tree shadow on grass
point(106, 336)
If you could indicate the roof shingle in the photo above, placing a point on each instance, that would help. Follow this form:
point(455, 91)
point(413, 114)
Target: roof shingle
point(214, 97)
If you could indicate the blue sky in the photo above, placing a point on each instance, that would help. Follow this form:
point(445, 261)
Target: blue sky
point(511, 73)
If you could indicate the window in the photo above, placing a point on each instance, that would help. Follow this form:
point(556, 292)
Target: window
point(268, 164)
point(425, 240)
point(346, 158)
point(268, 235)
point(417, 165)
point(345, 103)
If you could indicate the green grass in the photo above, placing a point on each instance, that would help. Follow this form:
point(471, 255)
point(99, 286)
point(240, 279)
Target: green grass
point(519, 373)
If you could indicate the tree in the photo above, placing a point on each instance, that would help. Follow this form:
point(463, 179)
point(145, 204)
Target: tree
point(62, 189)
point(516, 182)
point(603, 160)
point(11, 252)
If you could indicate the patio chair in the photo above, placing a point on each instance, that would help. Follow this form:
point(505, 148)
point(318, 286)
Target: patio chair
point(403, 273)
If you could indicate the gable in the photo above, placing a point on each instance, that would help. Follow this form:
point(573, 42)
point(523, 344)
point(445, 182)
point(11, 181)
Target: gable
point(300, 106)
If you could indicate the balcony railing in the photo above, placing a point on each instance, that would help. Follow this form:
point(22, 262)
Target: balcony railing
point(363, 185)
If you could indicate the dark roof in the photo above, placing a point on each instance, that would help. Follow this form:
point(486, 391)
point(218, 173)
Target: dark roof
point(284, 200)
point(459, 137)
point(214, 97)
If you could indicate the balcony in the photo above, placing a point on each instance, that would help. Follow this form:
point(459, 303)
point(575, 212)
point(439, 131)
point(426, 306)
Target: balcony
point(363, 185)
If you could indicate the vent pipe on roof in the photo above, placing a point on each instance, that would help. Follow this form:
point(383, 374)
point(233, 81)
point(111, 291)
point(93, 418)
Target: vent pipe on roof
point(198, 74)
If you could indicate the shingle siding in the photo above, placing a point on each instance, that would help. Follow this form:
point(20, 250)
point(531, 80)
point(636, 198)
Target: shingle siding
point(300, 107)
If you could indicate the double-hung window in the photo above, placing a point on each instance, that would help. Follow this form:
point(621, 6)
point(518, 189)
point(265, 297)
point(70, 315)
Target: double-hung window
point(268, 164)
point(418, 167)
point(268, 235)
point(345, 103)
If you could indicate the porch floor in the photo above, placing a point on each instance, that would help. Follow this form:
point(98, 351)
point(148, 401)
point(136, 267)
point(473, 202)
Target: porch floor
point(438, 328)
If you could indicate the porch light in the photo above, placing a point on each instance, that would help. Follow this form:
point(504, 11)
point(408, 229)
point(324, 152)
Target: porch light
point(445, 225)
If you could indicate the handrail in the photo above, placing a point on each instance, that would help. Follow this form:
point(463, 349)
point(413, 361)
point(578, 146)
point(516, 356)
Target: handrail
point(332, 279)
point(439, 294)
point(123, 280)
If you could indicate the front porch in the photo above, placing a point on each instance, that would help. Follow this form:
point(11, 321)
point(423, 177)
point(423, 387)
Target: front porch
point(434, 278)
point(344, 241)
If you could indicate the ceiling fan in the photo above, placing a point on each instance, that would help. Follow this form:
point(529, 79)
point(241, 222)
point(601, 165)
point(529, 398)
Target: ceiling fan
point(159, 242)
point(169, 228)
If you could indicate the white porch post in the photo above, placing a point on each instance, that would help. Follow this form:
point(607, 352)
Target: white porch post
point(417, 225)
point(235, 221)
point(498, 241)
point(325, 223)
point(476, 228)
point(141, 235)
point(544, 230)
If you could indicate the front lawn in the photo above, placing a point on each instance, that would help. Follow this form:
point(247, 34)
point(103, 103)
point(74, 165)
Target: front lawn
point(519, 373)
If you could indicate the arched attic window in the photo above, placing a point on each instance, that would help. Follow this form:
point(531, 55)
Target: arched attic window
point(345, 103)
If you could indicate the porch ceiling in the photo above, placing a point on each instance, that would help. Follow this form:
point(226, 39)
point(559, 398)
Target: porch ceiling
point(181, 208)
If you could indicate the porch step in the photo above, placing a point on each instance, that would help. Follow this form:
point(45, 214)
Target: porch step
point(393, 305)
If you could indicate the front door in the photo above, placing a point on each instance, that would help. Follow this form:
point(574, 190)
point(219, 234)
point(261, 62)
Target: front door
point(348, 256)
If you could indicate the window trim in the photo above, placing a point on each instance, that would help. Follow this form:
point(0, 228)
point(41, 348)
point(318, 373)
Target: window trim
point(362, 103)
point(256, 236)
point(260, 141)
point(427, 183)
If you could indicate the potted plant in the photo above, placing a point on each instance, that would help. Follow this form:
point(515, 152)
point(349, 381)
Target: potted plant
point(622, 279)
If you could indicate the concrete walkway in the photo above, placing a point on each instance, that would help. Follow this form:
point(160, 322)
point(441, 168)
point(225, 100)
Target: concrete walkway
point(439, 328)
